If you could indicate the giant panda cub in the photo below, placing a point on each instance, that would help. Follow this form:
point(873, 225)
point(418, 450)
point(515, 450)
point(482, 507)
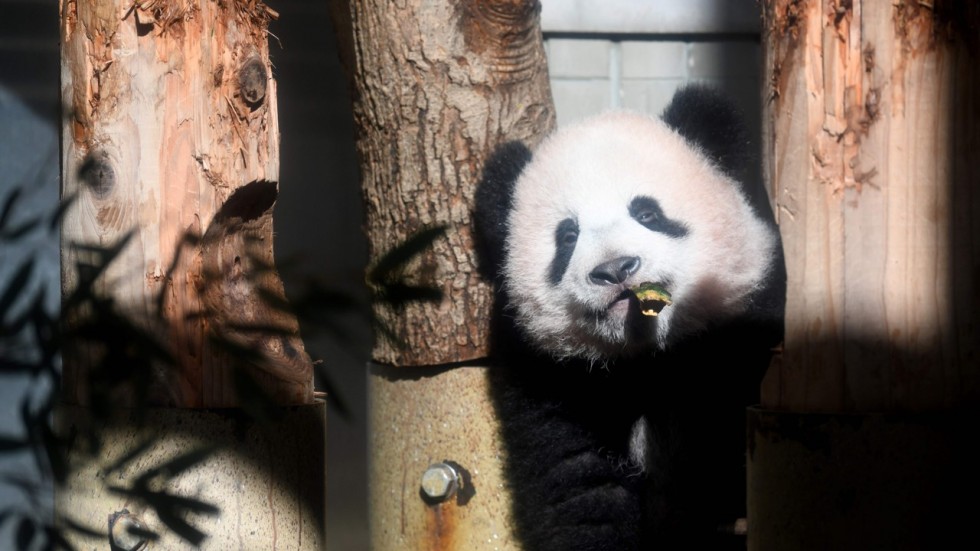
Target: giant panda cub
point(624, 430)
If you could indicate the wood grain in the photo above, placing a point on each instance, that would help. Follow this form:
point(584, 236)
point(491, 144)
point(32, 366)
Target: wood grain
point(171, 132)
point(871, 132)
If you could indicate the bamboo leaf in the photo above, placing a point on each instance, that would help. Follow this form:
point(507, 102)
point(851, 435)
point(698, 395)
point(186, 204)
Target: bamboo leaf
point(396, 259)
point(26, 530)
point(53, 451)
point(130, 455)
point(75, 526)
point(8, 444)
point(176, 465)
point(399, 294)
point(6, 218)
point(144, 533)
point(21, 230)
point(16, 287)
point(182, 503)
point(387, 333)
point(181, 527)
point(89, 272)
point(185, 461)
point(274, 300)
point(59, 214)
point(170, 509)
point(262, 329)
point(236, 350)
point(8, 206)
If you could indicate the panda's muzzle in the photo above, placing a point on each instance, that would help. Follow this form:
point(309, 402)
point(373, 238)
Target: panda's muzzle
point(629, 295)
point(615, 271)
point(625, 306)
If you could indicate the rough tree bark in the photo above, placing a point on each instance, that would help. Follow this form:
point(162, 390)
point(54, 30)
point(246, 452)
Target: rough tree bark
point(172, 133)
point(436, 85)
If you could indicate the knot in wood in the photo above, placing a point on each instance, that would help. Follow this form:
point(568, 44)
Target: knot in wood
point(97, 173)
point(506, 34)
point(252, 79)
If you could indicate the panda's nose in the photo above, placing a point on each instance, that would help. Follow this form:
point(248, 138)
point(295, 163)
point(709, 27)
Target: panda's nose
point(614, 271)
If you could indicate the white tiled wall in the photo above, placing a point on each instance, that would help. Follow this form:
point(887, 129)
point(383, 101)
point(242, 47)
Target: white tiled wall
point(651, 16)
point(635, 53)
point(589, 75)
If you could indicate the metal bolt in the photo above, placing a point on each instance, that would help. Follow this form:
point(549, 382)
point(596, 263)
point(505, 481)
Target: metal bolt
point(124, 532)
point(440, 481)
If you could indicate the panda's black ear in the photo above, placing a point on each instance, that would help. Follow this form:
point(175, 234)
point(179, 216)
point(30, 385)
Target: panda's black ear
point(494, 199)
point(708, 119)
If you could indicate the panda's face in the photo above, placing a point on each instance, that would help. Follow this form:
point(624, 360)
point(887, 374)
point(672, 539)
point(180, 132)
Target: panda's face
point(615, 201)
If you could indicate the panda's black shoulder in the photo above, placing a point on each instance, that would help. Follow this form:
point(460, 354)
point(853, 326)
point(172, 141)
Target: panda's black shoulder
point(709, 120)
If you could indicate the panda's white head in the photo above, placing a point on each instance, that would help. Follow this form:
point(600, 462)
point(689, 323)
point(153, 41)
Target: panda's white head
point(613, 201)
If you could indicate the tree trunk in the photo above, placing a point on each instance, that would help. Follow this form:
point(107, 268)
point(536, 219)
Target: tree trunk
point(436, 85)
point(872, 117)
point(172, 133)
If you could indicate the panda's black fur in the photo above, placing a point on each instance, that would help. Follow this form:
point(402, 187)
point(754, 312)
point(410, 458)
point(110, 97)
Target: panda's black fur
point(644, 450)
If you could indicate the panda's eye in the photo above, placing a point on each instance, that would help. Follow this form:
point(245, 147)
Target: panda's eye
point(566, 235)
point(567, 238)
point(645, 216)
point(647, 212)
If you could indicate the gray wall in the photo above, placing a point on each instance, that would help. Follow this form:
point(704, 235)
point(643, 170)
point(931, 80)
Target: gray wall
point(29, 161)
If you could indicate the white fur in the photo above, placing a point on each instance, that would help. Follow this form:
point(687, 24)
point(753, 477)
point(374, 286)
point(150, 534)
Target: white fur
point(640, 444)
point(590, 172)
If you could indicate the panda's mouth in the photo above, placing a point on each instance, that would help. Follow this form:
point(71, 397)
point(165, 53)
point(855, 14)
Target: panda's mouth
point(626, 295)
point(626, 302)
point(622, 304)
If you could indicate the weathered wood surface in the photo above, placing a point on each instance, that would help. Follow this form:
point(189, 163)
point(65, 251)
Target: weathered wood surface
point(171, 132)
point(872, 112)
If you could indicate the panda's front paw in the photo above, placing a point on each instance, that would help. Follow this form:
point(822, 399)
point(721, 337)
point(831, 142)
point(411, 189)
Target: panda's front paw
point(585, 502)
point(602, 517)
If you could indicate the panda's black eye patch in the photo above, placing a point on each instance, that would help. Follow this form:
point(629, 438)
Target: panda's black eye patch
point(648, 213)
point(566, 236)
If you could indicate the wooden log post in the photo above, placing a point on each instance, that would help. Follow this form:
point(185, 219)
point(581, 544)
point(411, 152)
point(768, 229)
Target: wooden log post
point(170, 147)
point(436, 85)
point(172, 133)
point(872, 118)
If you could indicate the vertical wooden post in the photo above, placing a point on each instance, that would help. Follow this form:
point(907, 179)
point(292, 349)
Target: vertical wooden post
point(872, 117)
point(171, 137)
point(172, 131)
point(437, 84)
